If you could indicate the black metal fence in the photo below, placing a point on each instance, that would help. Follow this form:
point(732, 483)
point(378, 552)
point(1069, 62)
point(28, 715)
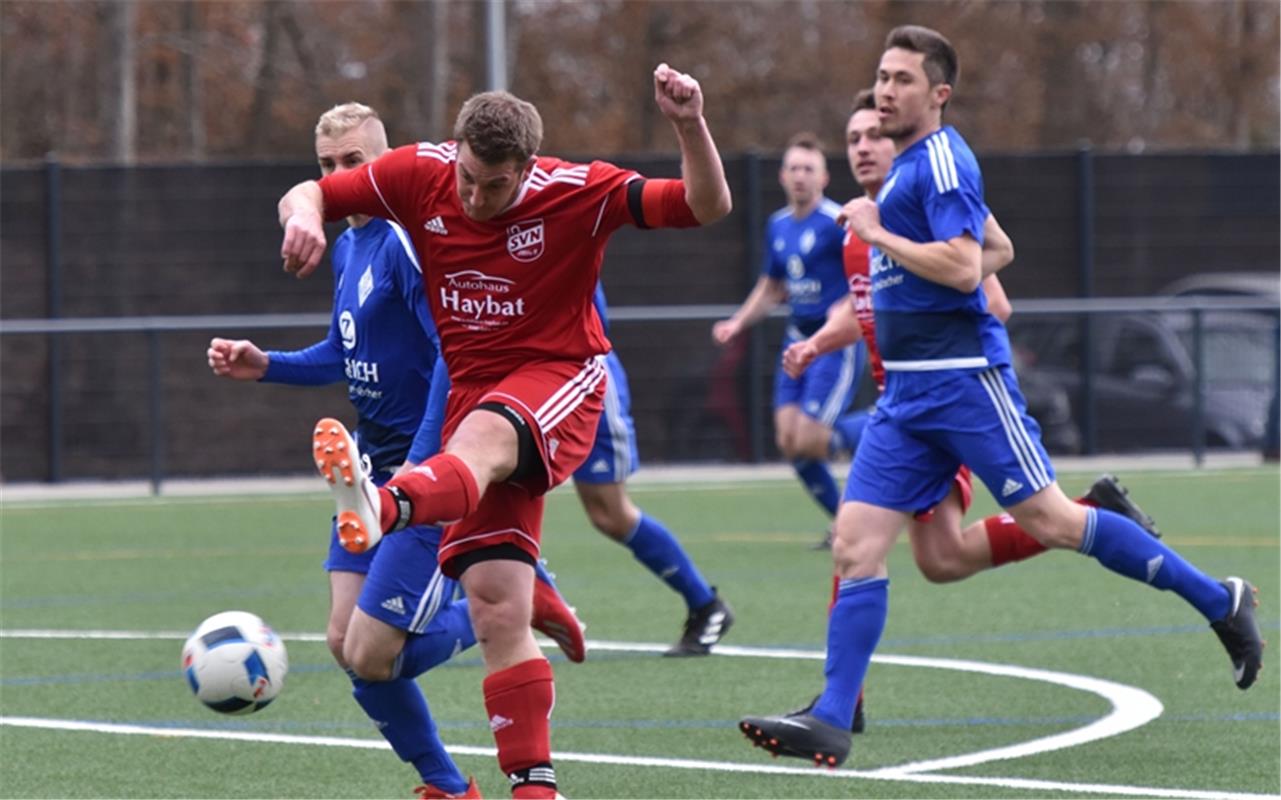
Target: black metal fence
point(155, 411)
point(176, 241)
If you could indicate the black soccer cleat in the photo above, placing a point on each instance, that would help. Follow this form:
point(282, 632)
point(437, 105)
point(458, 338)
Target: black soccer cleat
point(799, 734)
point(704, 627)
point(860, 721)
point(1108, 493)
point(1240, 633)
point(825, 543)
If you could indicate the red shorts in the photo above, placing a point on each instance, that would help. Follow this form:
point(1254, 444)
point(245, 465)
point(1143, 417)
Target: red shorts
point(561, 403)
point(964, 483)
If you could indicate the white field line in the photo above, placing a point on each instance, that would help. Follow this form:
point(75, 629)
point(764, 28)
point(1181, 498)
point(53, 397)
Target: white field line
point(1131, 707)
point(640, 761)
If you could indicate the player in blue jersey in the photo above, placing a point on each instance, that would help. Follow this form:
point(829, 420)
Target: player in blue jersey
point(803, 267)
point(601, 486)
point(951, 398)
point(392, 614)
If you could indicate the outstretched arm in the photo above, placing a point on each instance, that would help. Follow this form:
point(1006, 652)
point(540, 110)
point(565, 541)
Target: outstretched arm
point(764, 298)
point(238, 359)
point(680, 98)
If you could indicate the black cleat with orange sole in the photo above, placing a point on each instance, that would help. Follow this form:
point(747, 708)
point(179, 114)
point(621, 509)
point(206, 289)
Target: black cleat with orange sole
point(799, 734)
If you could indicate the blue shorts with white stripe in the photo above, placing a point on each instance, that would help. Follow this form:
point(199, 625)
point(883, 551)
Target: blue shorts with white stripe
point(403, 583)
point(824, 391)
point(614, 455)
point(911, 449)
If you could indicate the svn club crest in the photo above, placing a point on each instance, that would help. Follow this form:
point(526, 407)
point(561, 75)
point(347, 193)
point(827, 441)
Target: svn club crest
point(525, 240)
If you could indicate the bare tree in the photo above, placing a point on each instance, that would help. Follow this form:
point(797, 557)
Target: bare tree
point(193, 88)
point(119, 80)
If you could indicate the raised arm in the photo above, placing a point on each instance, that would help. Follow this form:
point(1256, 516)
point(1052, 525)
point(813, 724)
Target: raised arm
point(680, 99)
point(302, 215)
point(955, 263)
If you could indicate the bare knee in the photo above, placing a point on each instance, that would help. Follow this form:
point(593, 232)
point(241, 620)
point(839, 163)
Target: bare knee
point(367, 661)
point(335, 639)
point(938, 571)
point(615, 519)
point(786, 444)
point(852, 556)
point(1053, 524)
point(497, 619)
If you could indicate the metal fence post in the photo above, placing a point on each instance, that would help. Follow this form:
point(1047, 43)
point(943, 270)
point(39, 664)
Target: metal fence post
point(1085, 288)
point(754, 221)
point(1198, 387)
point(53, 308)
point(156, 407)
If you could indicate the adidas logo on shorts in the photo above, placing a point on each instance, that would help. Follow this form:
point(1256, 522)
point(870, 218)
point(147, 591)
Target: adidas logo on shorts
point(394, 604)
point(1010, 487)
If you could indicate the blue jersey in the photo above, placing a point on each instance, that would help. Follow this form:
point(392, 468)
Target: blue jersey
point(806, 255)
point(924, 330)
point(382, 341)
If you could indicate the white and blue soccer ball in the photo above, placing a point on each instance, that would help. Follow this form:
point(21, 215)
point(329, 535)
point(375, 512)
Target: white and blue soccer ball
point(235, 663)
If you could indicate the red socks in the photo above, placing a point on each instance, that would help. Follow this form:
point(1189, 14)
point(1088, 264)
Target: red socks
point(439, 490)
point(519, 702)
point(1008, 541)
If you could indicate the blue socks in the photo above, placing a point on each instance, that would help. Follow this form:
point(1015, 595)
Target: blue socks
point(1125, 548)
point(846, 433)
point(819, 483)
point(853, 631)
point(655, 547)
point(400, 711)
point(448, 633)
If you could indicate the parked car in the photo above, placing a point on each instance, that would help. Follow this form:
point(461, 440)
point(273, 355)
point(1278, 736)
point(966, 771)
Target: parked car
point(1144, 377)
point(1261, 285)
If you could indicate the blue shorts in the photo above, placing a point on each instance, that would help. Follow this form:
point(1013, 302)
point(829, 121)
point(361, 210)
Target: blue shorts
point(912, 448)
point(614, 455)
point(403, 583)
point(827, 388)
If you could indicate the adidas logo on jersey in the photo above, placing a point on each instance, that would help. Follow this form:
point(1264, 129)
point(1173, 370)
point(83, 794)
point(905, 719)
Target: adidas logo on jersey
point(436, 225)
point(1010, 487)
point(394, 604)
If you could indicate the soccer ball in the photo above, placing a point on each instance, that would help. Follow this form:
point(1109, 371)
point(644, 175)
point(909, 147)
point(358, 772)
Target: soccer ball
point(235, 663)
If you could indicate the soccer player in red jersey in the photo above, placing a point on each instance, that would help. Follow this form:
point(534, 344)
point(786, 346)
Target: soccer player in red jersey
point(511, 244)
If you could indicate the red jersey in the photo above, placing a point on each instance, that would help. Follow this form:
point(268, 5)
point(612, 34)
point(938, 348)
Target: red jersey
point(856, 254)
point(516, 288)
